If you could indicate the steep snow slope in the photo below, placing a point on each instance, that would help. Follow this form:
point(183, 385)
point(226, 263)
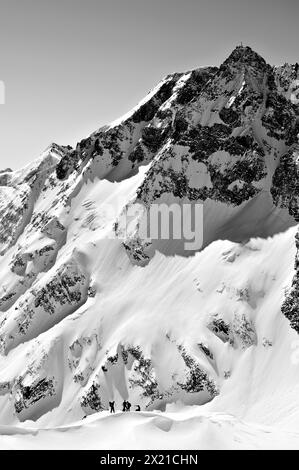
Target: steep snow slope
point(89, 313)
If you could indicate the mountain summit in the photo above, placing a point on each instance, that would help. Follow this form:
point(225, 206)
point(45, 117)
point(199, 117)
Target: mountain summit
point(91, 311)
point(245, 55)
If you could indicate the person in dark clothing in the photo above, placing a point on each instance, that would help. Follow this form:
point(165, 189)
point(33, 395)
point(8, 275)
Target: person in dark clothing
point(112, 408)
point(124, 405)
point(128, 407)
point(138, 408)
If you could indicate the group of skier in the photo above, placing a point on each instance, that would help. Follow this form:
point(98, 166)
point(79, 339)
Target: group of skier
point(126, 406)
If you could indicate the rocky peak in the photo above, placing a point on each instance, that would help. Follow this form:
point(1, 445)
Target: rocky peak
point(58, 150)
point(244, 55)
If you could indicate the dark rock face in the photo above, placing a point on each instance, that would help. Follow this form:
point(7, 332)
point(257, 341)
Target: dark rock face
point(243, 331)
point(17, 207)
point(109, 145)
point(145, 376)
point(5, 299)
point(195, 84)
point(206, 350)
point(28, 395)
point(248, 168)
point(285, 184)
point(91, 401)
point(153, 138)
point(203, 141)
point(59, 292)
point(290, 306)
point(285, 75)
point(13, 216)
point(240, 332)
point(245, 55)
point(67, 164)
point(43, 304)
point(137, 156)
point(280, 118)
point(196, 379)
point(220, 328)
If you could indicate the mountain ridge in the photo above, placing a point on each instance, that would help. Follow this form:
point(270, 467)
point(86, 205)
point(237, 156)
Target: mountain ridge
point(89, 314)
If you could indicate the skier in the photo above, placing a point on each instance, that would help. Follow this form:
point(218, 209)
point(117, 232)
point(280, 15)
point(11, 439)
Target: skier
point(111, 404)
point(128, 407)
point(124, 405)
point(138, 408)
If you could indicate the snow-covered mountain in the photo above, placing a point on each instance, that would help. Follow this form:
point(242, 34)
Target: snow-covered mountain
point(205, 341)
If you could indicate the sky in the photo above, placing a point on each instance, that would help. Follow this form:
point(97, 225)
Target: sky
point(71, 66)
